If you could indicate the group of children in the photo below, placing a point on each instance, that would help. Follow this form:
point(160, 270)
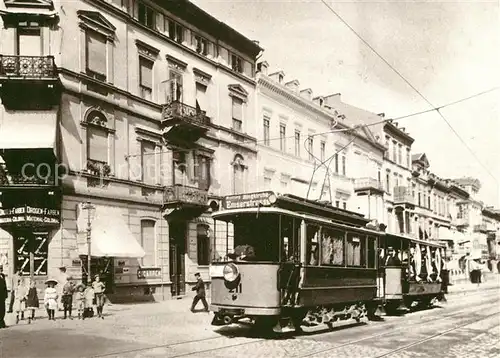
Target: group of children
point(26, 298)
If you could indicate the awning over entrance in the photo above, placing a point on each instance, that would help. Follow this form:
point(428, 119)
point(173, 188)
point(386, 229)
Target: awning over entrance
point(110, 236)
point(35, 130)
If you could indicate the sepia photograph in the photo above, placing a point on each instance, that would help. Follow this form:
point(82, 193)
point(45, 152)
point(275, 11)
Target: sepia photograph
point(249, 178)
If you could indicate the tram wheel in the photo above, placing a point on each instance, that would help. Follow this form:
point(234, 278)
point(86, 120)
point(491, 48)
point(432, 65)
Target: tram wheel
point(264, 324)
point(391, 308)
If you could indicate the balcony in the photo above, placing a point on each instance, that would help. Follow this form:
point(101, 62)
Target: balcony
point(480, 228)
point(184, 202)
point(460, 222)
point(369, 185)
point(28, 82)
point(184, 123)
point(403, 197)
point(26, 180)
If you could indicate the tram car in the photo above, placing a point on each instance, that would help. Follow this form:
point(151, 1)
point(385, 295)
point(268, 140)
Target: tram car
point(284, 261)
point(412, 272)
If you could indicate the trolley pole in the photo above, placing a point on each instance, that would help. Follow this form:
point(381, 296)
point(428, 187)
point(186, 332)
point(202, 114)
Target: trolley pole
point(88, 206)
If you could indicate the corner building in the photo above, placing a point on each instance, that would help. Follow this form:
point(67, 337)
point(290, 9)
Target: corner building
point(148, 106)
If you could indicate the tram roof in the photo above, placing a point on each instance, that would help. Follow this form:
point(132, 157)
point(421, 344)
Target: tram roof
point(415, 240)
point(294, 203)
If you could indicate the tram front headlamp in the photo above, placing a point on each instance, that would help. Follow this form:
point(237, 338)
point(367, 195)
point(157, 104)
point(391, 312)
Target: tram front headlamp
point(230, 272)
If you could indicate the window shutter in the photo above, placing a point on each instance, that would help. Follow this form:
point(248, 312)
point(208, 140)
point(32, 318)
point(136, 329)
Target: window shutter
point(201, 93)
point(96, 52)
point(148, 162)
point(148, 242)
point(237, 109)
point(97, 144)
point(146, 73)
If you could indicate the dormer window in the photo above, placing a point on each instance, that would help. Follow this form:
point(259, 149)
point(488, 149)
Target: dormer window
point(201, 44)
point(236, 63)
point(175, 31)
point(146, 15)
point(321, 102)
point(280, 78)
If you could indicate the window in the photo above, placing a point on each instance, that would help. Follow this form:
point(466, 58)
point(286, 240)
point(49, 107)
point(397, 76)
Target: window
point(29, 42)
point(408, 158)
point(97, 144)
point(310, 145)
point(238, 175)
point(201, 44)
point(95, 55)
point(400, 154)
point(284, 181)
point(394, 151)
point(336, 157)
point(387, 146)
point(267, 182)
point(266, 131)
point(283, 137)
point(202, 171)
point(148, 242)
point(201, 96)
point(175, 31)
point(343, 165)
point(312, 234)
point(237, 113)
point(388, 182)
point(145, 78)
point(332, 247)
point(236, 63)
point(146, 16)
point(337, 203)
point(355, 250)
point(148, 162)
point(203, 245)
point(344, 205)
point(379, 177)
point(297, 143)
point(322, 150)
point(174, 88)
point(372, 252)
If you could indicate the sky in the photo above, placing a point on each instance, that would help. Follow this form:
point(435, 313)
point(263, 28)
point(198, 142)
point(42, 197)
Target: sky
point(448, 50)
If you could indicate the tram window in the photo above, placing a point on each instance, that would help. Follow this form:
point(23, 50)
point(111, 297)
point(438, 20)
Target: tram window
point(290, 242)
point(332, 245)
point(312, 245)
point(355, 245)
point(372, 252)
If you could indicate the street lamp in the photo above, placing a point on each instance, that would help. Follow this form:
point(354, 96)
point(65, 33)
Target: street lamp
point(89, 207)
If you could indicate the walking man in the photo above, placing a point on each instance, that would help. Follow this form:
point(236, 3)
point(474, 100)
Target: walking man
point(3, 297)
point(200, 293)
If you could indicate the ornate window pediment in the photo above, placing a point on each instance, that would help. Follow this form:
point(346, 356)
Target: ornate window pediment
point(238, 89)
point(95, 19)
point(29, 4)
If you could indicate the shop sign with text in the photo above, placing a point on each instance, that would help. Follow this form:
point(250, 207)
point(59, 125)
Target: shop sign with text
point(30, 214)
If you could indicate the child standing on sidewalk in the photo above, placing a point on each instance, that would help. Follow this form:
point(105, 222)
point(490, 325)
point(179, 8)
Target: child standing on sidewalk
point(50, 299)
point(67, 297)
point(99, 288)
point(32, 302)
point(89, 301)
point(80, 300)
point(20, 297)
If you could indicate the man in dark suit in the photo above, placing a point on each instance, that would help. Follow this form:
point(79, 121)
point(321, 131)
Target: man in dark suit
point(200, 293)
point(3, 297)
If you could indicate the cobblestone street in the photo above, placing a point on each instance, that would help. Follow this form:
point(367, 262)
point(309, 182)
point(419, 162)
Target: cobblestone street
point(468, 325)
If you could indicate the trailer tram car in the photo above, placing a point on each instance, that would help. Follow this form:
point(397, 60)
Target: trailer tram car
point(289, 262)
point(413, 272)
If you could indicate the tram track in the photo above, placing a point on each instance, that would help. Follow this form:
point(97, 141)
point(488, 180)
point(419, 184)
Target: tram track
point(256, 341)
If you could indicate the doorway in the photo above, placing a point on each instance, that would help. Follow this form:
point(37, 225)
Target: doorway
point(177, 236)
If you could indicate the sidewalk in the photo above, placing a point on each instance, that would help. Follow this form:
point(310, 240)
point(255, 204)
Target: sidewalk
point(462, 285)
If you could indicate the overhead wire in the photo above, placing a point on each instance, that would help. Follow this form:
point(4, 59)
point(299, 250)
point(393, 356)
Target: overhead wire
point(411, 86)
point(413, 114)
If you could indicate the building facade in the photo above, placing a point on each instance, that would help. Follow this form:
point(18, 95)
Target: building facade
point(142, 108)
point(306, 145)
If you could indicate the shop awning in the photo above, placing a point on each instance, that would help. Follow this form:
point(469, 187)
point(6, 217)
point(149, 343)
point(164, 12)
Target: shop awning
point(35, 130)
point(110, 236)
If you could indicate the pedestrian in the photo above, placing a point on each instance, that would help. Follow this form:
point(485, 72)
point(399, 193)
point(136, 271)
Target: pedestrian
point(32, 302)
point(3, 297)
point(21, 295)
point(80, 300)
point(50, 299)
point(200, 293)
point(67, 297)
point(99, 287)
point(13, 285)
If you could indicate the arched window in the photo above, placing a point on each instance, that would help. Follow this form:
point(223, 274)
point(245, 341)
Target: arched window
point(238, 174)
point(203, 244)
point(148, 242)
point(97, 141)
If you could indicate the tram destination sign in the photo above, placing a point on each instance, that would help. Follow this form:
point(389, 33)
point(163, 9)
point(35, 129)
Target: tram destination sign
point(250, 200)
point(29, 214)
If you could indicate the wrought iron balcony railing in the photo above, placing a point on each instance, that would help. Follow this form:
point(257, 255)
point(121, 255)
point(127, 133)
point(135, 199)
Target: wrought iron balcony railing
point(32, 67)
point(97, 167)
point(192, 115)
point(367, 183)
point(402, 194)
point(12, 180)
point(186, 195)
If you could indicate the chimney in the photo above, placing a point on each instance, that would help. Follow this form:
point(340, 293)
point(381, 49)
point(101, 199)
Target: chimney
point(278, 76)
point(381, 115)
point(306, 93)
point(262, 67)
point(319, 101)
point(403, 129)
point(332, 99)
point(396, 124)
point(293, 85)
